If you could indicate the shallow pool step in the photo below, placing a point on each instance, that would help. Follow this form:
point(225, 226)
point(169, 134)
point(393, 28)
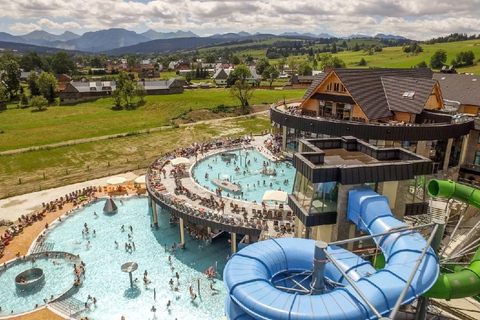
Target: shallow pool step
point(69, 306)
point(43, 246)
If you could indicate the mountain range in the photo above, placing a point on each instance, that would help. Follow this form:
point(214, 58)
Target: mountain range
point(116, 38)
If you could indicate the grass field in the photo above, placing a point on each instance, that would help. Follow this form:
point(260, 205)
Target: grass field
point(24, 128)
point(71, 164)
point(390, 57)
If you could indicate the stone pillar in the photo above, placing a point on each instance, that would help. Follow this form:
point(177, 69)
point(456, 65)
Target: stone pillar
point(469, 146)
point(422, 149)
point(284, 137)
point(209, 230)
point(448, 151)
point(154, 214)
point(182, 232)
point(233, 242)
point(341, 230)
point(298, 228)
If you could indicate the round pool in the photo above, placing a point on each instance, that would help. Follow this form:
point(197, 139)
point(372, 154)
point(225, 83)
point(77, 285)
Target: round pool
point(249, 169)
point(58, 277)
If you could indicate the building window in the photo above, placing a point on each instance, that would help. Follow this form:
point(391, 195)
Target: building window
point(477, 158)
point(329, 87)
point(339, 108)
point(336, 87)
point(327, 109)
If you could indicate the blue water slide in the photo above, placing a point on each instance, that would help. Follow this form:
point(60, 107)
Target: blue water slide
point(251, 275)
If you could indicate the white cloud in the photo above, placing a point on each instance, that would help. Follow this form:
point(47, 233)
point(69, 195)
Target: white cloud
point(417, 18)
point(24, 27)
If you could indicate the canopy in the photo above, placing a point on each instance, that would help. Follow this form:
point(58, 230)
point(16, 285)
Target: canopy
point(116, 180)
point(275, 195)
point(181, 160)
point(129, 267)
point(140, 179)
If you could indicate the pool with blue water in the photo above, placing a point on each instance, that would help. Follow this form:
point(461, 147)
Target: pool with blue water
point(249, 164)
point(105, 281)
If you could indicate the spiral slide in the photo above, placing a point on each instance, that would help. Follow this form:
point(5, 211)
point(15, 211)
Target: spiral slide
point(253, 276)
point(463, 282)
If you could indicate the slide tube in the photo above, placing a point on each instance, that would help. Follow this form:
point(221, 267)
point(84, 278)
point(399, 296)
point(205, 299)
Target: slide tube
point(250, 274)
point(463, 282)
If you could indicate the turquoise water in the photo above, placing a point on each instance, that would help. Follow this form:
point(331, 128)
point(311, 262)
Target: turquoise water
point(252, 181)
point(111, 287)
point(58, 279)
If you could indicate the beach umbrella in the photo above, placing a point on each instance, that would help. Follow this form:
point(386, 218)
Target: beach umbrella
point(116, 180)
point(275, 195)
point(140, 179)
point(180, 160)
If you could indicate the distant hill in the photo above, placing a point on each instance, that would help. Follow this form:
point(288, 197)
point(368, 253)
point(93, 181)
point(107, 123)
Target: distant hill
point(389, 36)
point(231, 35)
point(39, 35)
point(307, 34)
point(357, 36)
point(104, 40)
point(166, 46)
point(155, 35)
point(25, 48)
point(7, 37)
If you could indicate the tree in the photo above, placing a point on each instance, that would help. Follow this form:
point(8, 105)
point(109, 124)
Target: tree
point(3, 96)
point(292, 64)
point(327, 60)
point(31, 61)
point(189, 76)
point(334, 48)
point(24, 100)
point(422, 64)
point(240, 88)
point(96, 62)
point(281, 64)
point(47, 86)
point(438, 59)
point(304, 69)
point(140, 92)
point(210, 58)
point(270, 74)
point(32, 82)
point(38, 102)
point(62, 63)
point(131, 62)
point(464, 58)
point(11, 77)
point(262, 64)
point(236, 60)
point(362, 62)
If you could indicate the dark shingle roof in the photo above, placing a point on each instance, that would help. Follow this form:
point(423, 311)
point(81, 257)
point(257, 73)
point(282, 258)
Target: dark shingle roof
point(460, 87)
point(365, 86)
point(395, 88)
point(316, 82)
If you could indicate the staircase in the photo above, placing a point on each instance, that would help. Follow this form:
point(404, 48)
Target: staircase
point(68, 306)
point(43, 246)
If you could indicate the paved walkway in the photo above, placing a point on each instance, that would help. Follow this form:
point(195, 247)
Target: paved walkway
point(14, 207)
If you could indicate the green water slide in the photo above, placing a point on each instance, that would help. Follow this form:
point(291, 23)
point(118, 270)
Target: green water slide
point(456, 282)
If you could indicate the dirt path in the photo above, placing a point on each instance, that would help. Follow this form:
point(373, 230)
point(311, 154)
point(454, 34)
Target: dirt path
point(120, 135)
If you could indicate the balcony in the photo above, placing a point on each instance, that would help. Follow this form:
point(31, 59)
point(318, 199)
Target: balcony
point(367, 131)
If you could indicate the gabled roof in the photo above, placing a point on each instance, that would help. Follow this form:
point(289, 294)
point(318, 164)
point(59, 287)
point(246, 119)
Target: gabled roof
point(220, 74)
point(366, 87)
point(407, 94)
point(460, 87)
point(316, 82)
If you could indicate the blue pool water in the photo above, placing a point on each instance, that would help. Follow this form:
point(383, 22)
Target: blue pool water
point(252, 181)
point(58, 279)
point(111, 287)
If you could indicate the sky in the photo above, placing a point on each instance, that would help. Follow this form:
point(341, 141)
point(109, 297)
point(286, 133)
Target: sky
point(414, 19)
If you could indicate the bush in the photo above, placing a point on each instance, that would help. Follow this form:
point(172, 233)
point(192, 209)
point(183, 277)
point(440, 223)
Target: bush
point(222, 108)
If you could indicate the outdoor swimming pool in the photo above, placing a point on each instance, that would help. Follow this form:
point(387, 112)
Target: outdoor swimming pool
point(59, 278)
point(111, 287)
point(253, 182)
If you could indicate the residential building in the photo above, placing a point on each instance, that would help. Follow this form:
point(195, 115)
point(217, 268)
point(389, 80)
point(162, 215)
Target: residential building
point(80, 91)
